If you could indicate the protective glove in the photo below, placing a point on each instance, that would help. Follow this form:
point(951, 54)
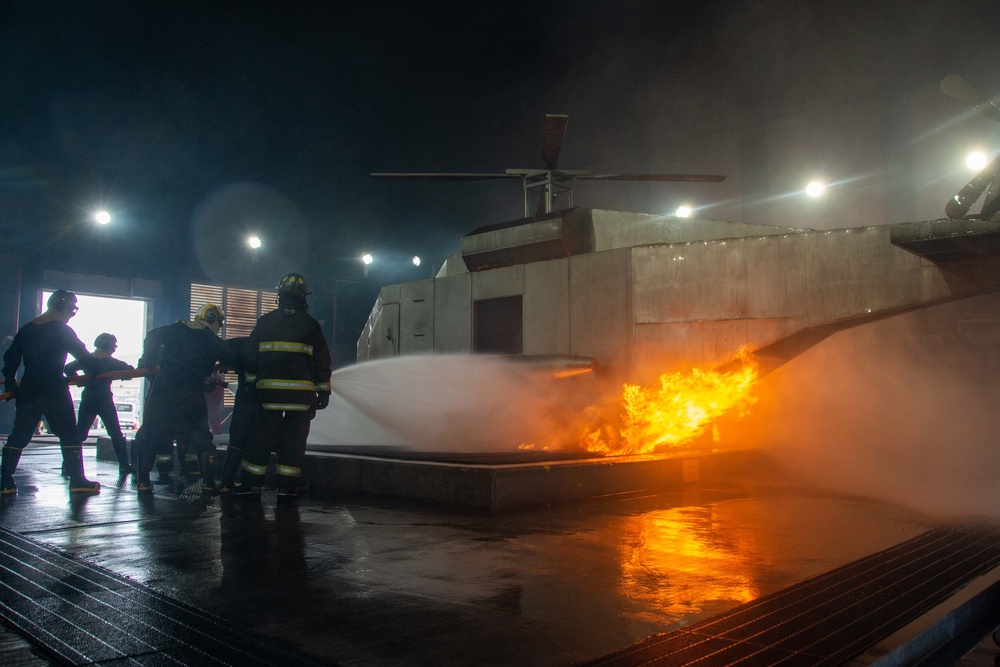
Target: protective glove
point(322, 399)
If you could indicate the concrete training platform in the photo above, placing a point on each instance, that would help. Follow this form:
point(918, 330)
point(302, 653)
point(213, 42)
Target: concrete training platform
point(503, 481)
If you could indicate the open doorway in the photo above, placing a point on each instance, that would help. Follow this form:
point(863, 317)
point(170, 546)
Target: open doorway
point(126, 320)
point(498, 326)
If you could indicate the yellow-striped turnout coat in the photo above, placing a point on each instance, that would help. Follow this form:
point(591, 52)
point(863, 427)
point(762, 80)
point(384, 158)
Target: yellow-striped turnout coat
point(288, 360)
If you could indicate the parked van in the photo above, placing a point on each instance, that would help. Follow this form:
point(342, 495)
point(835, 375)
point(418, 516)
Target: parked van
point(128, 418)
point(128, 415)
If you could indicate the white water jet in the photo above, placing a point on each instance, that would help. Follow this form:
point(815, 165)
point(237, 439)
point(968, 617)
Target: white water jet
point(446, 403)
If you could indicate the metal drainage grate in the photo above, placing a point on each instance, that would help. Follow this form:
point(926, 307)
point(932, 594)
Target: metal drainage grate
point(833, 617)
point(85, 615)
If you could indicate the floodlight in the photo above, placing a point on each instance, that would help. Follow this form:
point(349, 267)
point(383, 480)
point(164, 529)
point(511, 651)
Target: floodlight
point(815, 189)
point(976, 160)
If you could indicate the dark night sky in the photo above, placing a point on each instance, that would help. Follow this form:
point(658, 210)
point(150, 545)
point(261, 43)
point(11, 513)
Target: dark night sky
point(196, 121)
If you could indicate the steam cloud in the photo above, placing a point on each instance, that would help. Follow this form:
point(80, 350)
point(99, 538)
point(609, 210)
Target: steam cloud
point(879, 412)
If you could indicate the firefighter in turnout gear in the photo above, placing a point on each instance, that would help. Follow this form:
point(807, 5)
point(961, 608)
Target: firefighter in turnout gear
point(152, 352)
point(289, 362)
point(98, 401)
point(42, 345)
point(176, 406)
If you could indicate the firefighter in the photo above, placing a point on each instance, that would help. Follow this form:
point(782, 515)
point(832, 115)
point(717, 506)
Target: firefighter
point(289, 362)
point(42, 345)
point(242, 419)
point(152, 352)
point(176, 406)
point(97, 399)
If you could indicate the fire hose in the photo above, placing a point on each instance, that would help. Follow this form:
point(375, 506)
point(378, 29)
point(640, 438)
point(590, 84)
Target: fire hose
point(83, 379)
point(117, 375)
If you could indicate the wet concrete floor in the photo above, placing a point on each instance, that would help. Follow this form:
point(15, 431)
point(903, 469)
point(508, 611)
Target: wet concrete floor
point(364, 581)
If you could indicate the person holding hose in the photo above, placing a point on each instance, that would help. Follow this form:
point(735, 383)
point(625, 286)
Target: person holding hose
point(176, 407)
point(42, 345)
point(289, 362)
point(98, 401)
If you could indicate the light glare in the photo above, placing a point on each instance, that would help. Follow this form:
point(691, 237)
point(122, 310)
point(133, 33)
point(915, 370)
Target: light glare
point(416, 261)
point(683, 211)
point(815, 189)
point(367, 259)
point(976, 160)
point(254, 242)
point(102, 217)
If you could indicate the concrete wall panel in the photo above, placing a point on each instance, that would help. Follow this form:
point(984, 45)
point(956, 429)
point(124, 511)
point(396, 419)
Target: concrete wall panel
point(369, 346)
point(416, 318)
point(599, 309)
point(619, 229)
point(390, 293)
point(453, 314)
point(496, 283)
point(818, 276)
point(546, 307)
point(857, 271)
point(757, 277)
point(385, 318)
point(678, 346)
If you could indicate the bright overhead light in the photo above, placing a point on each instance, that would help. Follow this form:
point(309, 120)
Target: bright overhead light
point(815, 189)
point(683, 211)
point(416, 261)
point(254, 242)
point(367, 259)
point(102, 217)
point(976, 160)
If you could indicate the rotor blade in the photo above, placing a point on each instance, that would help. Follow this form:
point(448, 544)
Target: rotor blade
point(552, 136)
point(442, 177)
point(959, 205)
point(959, 89)
point(703, 178)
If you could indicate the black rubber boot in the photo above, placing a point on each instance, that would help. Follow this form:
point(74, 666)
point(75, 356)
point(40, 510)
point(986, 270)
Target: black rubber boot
point(11, 455)
point(234, 456)
point(191, 467)
point(164, 466)
point(206, 463)
point(289, 489)
point(143, 467)
point(121, 453)
point(73, 462)
point(252, 476)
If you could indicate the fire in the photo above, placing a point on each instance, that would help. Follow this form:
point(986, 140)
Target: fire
point(679, 410)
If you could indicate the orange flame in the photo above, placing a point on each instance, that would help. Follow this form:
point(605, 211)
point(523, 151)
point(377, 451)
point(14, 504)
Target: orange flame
point(678, 411)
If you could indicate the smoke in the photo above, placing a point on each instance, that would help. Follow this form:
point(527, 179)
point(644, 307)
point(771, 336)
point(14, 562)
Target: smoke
point(451, 403)
point(882, 413)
